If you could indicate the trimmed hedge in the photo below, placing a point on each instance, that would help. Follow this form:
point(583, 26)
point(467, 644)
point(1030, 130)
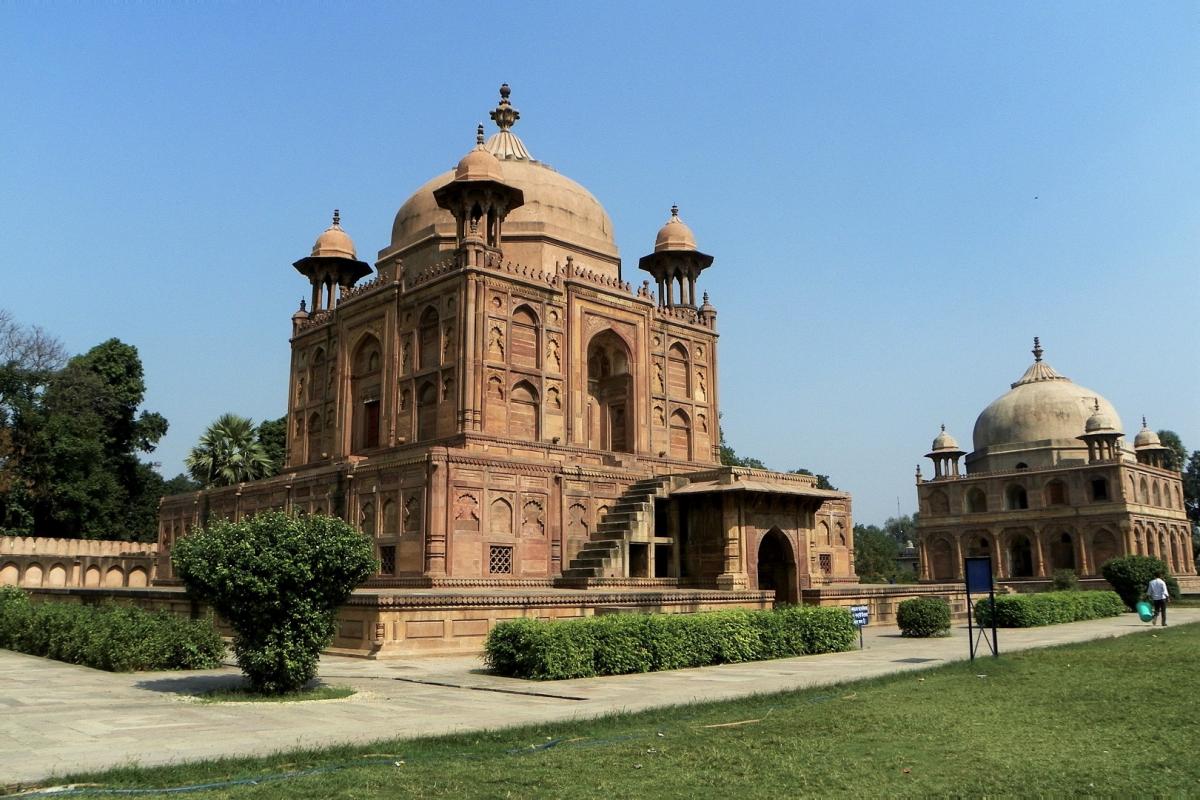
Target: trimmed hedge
point(922, 617)
point(1048, 608)
point(623, 643)
point(1131, 575)
point(108, 637)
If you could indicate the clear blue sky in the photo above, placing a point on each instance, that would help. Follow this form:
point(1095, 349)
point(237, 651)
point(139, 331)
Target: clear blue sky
point(899, 196)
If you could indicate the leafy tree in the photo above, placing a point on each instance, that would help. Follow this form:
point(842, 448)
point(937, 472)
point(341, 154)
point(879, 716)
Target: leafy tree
point(1176, 455)
point(1130, 575)
point(903, 528)
point(180, 484)
point(278, 580)
point(229, 452)
point(1191, 487)
point(272, 435)
point(76, 441)
point(875, 553)
point(822, 480)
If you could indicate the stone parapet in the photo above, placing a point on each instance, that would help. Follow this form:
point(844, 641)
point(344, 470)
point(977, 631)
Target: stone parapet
point(40, 562)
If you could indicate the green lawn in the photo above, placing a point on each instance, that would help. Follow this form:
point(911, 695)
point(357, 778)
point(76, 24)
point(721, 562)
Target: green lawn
point(1112, 718)
point(248, 696)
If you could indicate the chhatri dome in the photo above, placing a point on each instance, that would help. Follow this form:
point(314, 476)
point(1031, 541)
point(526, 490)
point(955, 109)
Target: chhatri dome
point(1038, 421)
point(675, 235)
point(558, 218)
point(334, 242)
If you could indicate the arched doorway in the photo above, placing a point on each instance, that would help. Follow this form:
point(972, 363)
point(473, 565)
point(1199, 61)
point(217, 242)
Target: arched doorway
point(610, 394)
point(941, 561)
point(777, 567)
point(1062, 551)
point(1020, 557)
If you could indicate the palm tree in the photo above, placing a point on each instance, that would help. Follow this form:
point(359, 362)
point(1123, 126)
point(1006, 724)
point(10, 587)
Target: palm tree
point(229, 452)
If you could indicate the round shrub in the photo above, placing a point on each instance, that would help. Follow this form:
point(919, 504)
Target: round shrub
point(278, 580)
point(924, 617)
point(1130, 575)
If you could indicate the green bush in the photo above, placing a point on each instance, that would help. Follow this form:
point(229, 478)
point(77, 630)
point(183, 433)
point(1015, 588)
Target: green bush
point(624, 643)
point(1130, 575)
point(109, 637)
point(278, 580)
point(923, 617)
point(1047, 608)
point(1064, 580)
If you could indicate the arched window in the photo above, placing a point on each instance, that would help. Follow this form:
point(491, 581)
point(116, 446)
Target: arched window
point(1015, 498)
point(1056, 493)
point(1062, 551)
point(427, 407)
point(523, 339)
point(939, 503)
point(1157, 500)
point(678, 372)
point(316, 443)
point(365, 379)
point(976, 500)
point(366, 519)
point(681, 436)
point(391, 521)
point(429, 353)
point(500, 517)
point(824, 536)
point(316, 376)
point(523, 412)
point(610, 393)
point(1144, 492)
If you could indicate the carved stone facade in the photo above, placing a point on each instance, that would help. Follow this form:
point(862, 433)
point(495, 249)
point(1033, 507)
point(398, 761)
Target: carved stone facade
point(1050, 485)
point(497, 407)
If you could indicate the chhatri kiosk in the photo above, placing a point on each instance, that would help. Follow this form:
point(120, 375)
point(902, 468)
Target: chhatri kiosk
point(519, 429)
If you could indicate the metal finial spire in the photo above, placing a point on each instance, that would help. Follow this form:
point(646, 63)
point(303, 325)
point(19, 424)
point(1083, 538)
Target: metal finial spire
point(943, 427)
point(706, 298)
point(504, 115)
point(1037, 349)
point(1096, 401)
point(302, 306)
point(479, 134)
point(674, 211)
point(1144, 421)
point(337, 218)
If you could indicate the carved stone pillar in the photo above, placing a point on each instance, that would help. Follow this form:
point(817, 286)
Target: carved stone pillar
point(1039, 558)
point(958, 557)
point(734, 575)
point(436, 512)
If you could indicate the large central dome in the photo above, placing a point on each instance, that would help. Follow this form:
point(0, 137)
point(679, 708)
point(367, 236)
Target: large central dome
point(1039, 419)
point(557, 210)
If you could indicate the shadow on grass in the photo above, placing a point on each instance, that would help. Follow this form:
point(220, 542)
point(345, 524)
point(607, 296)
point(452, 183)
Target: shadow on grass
point(194, 685)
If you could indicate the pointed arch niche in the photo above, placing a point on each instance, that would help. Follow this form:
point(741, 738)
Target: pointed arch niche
point(610, 394)
point(681, 435)
point(365, 379)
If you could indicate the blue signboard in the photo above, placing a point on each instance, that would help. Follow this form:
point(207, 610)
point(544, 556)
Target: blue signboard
point(979, 574)
point(861, 615)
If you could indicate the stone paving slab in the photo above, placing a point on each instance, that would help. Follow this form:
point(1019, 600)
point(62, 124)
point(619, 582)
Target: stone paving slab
point(57, 718)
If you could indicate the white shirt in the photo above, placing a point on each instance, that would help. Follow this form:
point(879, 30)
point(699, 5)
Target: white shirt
point(1157, 589)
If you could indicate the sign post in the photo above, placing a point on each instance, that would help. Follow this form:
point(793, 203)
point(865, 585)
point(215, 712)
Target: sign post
point(978, 572)
point(862, 617)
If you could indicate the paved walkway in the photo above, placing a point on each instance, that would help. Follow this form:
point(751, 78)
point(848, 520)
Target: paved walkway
point(57, 718)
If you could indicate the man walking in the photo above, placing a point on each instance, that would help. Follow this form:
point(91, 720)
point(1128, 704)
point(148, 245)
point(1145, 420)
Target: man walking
point(1158, 595)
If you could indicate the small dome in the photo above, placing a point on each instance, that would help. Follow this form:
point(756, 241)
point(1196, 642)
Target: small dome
point(479, 164)
point(675, 235)
point(301, 313)
point(334, 242)
point(1099, 421)
point(1146, 437)
point(945, 441)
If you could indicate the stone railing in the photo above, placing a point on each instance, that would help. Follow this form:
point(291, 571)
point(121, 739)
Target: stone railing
point(38, 545)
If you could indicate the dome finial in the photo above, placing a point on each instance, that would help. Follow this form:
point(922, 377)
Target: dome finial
point(943, 427)
point(504, 115)
point(337, 218)
point(1037, 349)
point(674, 211)
point(1096, 401)
point(479, 134)
point(1144, 425)
point(302, 305)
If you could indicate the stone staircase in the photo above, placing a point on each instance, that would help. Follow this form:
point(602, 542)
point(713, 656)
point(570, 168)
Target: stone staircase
point(630, 519)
